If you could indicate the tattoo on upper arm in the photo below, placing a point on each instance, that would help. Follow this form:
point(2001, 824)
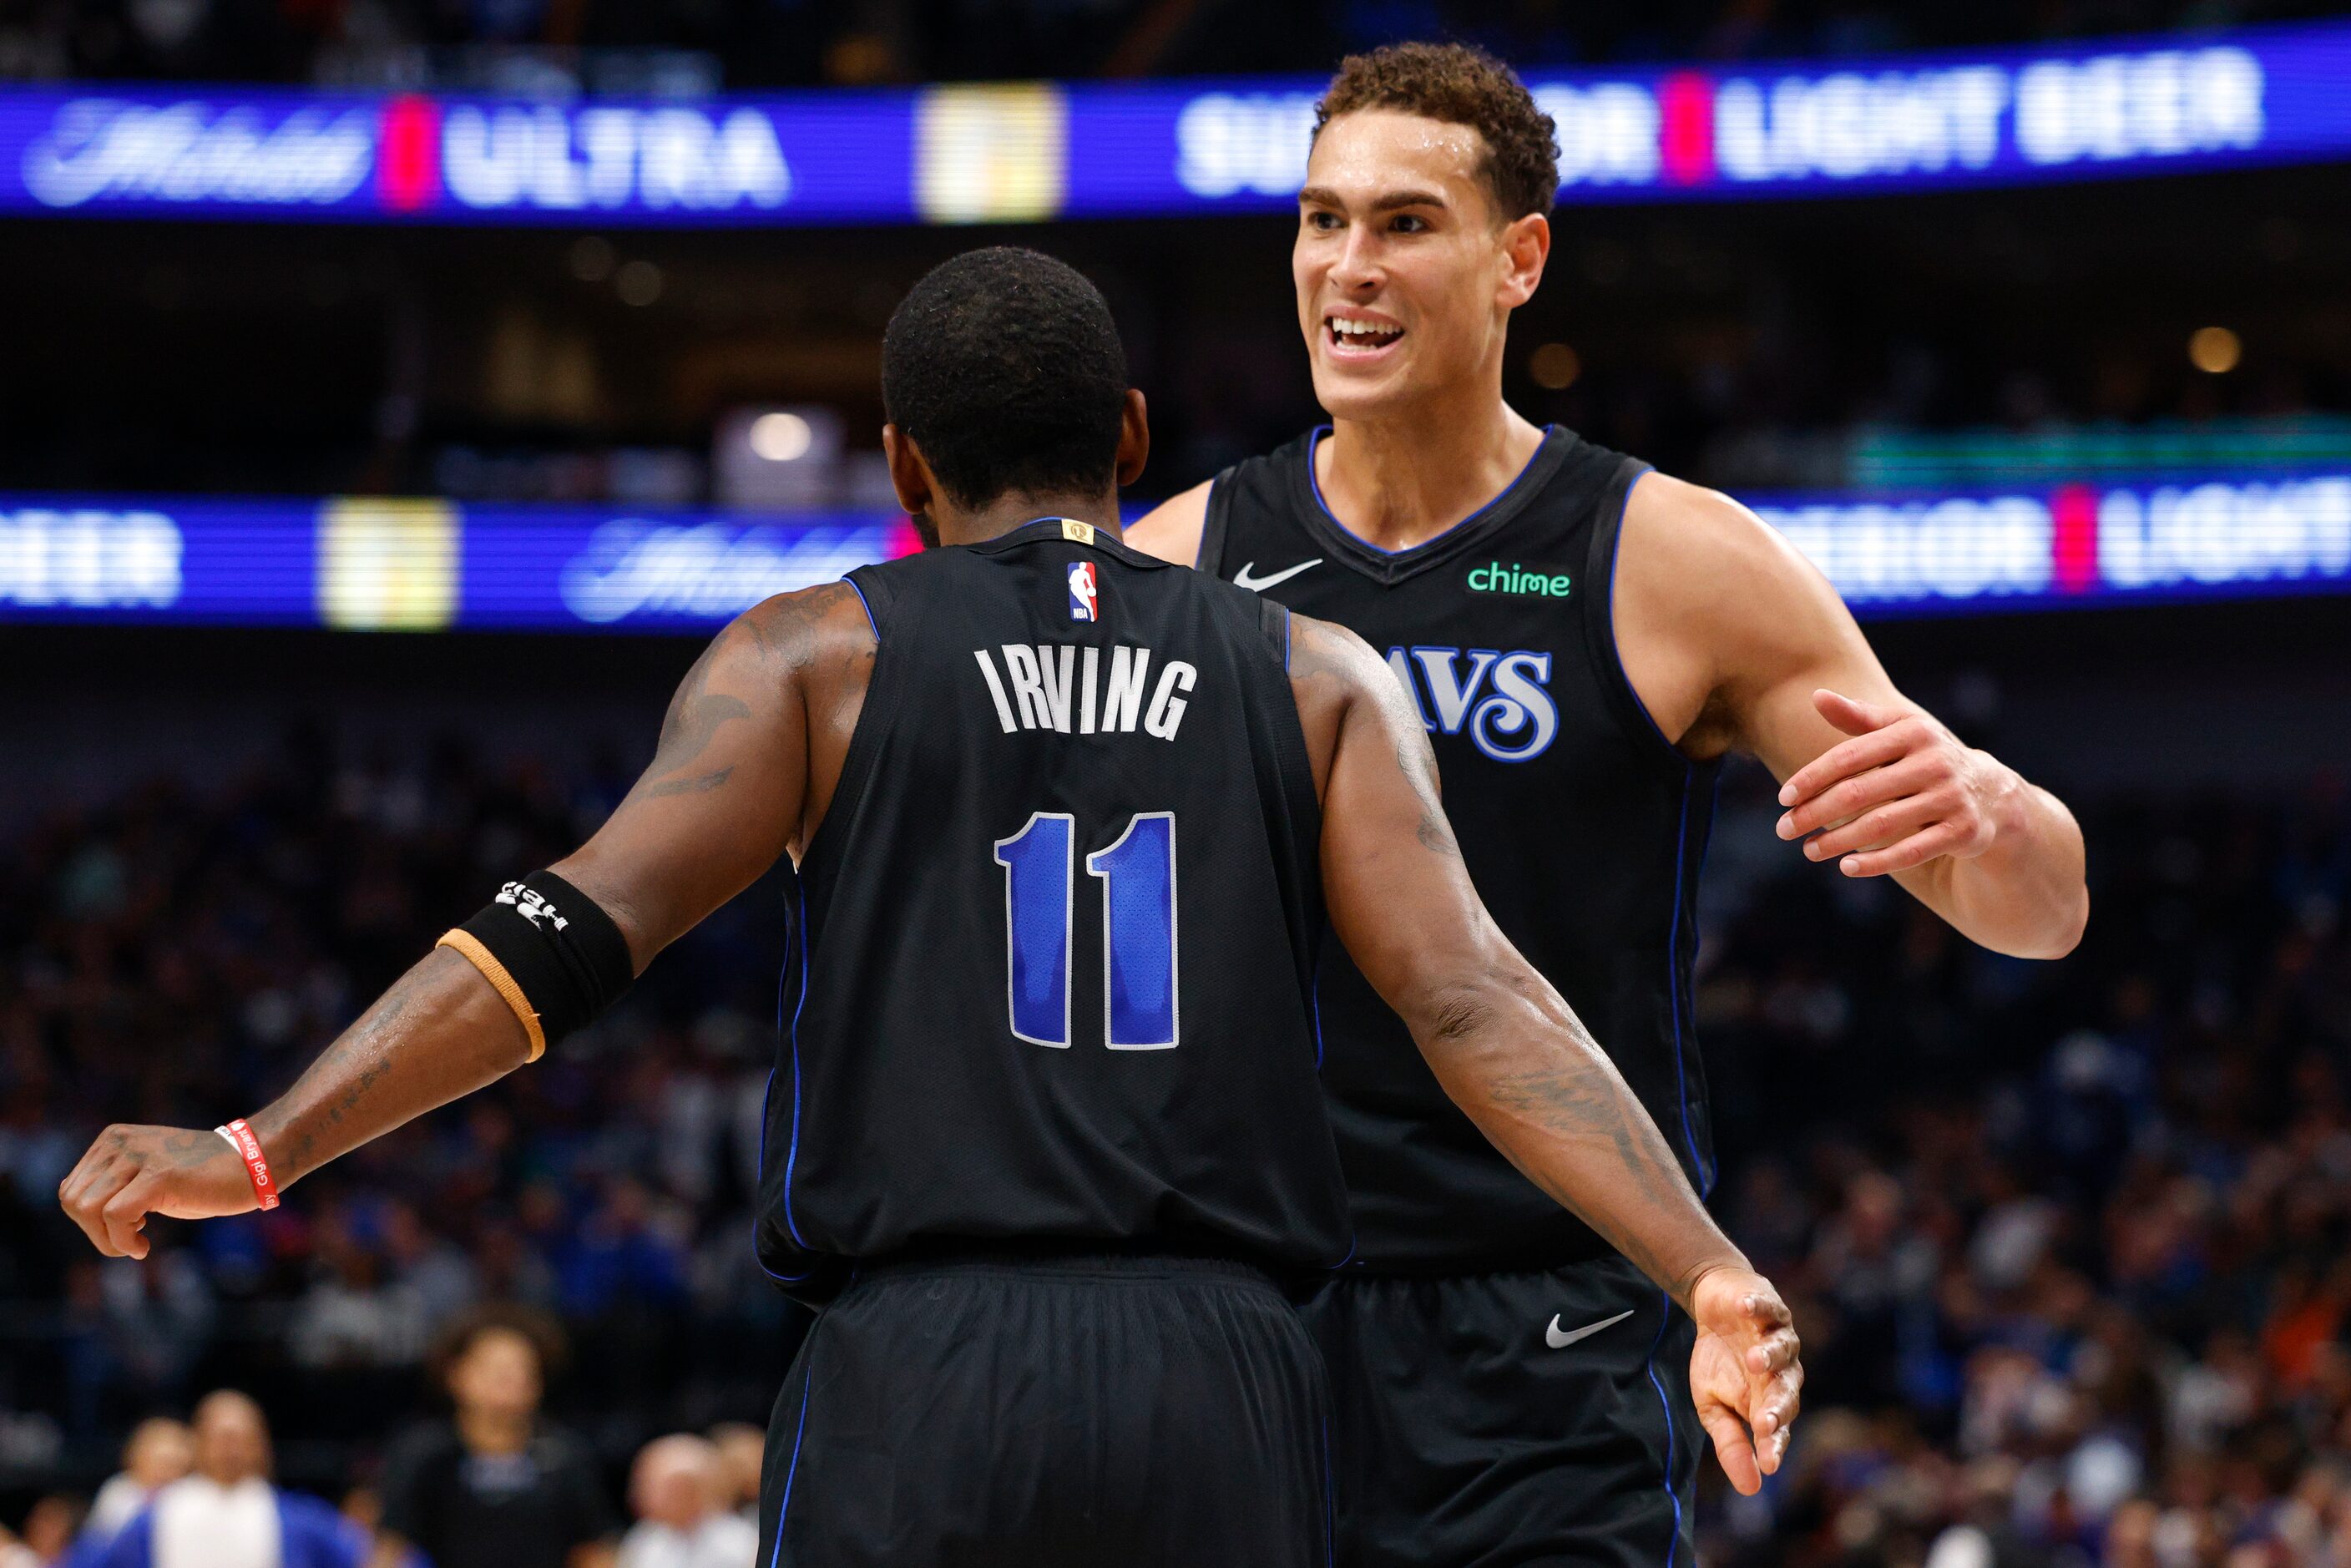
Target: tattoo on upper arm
point(695, 717)
point(1318, 653)
point(785, 626)
point(1419, 765)
point(694, 786)
point(786, 631)
point(1309, 660)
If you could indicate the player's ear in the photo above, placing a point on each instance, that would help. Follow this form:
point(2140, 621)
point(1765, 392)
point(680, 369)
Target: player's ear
point(1526, 247)
point(910, 476)
point(1133, 438)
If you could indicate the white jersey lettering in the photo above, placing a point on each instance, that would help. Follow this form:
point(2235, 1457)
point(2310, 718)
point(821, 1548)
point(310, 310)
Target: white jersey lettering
point(1056, 680)
point(1121, 701)
point(1028, 688)
point(995, 690)
point(1166, 708)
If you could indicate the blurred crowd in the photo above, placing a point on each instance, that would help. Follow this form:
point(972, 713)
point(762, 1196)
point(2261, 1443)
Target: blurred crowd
point(696, 45)
point(169, 958)
point(494, 1485)
point(2067, 1242)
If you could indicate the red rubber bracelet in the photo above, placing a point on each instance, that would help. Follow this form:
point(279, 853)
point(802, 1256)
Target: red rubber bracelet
point(248, 1149)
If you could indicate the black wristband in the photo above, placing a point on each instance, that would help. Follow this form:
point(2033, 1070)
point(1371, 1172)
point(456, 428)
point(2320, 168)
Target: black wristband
point(550, 944)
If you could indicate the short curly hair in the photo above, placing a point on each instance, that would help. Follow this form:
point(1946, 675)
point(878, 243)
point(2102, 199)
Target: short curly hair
point(1005, 367)
point(463, 1332)
point(1459, 84)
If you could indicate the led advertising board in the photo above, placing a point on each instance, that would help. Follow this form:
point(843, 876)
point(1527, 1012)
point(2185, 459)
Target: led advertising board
point(1030, 151)
point(414, 565)
point(430, 565)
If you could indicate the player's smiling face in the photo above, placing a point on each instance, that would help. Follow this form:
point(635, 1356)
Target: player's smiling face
point(1406, 278)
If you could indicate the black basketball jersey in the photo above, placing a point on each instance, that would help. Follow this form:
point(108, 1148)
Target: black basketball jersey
point(1582, 826)
point(1054, 939)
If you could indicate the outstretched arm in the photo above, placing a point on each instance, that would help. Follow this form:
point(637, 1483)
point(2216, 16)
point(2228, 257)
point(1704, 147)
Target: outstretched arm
point(1711, 600)
point(1508, 1048)
point(723, 799)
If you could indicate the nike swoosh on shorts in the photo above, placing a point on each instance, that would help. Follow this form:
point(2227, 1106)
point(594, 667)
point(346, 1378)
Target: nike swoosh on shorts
point(1559, 1339)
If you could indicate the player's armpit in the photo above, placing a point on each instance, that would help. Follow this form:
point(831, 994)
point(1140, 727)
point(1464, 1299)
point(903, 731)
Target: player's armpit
point(1171, 530)
point(1501, 1042)
point(748, 756)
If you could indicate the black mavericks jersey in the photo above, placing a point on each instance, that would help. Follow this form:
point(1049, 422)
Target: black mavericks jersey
point(1582, 826)
point(1054, 945)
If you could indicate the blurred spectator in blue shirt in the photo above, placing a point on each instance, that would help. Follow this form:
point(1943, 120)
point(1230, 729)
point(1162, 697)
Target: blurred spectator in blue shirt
point(227, 1514)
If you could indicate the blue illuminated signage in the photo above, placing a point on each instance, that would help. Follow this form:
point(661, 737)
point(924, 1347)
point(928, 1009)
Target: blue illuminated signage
point(364, 564)
point(1040, 151)
point(429, 565)
point(2078, 543)
point(816, 160)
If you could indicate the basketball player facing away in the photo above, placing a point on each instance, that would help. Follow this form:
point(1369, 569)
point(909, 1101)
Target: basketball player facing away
point(1066, 822)
point(1584, 639)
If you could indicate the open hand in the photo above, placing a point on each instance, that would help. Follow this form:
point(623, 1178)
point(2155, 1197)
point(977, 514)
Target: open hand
point(1902, 792)
point(130, 1173)
point(1745, 1375)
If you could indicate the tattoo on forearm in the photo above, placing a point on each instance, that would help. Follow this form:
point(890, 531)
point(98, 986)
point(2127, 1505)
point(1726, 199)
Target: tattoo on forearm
point(1582, 1104)
point(360, 1056)
point(439, 1032)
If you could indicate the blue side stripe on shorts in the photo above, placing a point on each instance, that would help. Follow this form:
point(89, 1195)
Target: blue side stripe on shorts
point(784, 1508)
point(1665, 1406)
point(1330, 1503)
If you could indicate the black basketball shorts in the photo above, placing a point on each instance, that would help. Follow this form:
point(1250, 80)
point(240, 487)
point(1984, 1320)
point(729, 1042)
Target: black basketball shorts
point(1079, 1412)
point(1492, 1420)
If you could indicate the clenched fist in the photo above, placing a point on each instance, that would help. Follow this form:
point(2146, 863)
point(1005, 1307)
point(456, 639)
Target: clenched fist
point(130, 1173)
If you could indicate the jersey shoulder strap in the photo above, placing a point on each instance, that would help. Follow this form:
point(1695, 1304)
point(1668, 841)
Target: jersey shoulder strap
point(1273, 625)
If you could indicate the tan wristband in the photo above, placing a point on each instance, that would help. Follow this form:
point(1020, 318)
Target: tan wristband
point(465, 943)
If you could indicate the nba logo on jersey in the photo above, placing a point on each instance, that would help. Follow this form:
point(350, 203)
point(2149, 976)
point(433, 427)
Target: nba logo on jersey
point(1084, 596)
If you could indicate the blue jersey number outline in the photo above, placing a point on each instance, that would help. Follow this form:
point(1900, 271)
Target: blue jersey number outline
point(1139, 964)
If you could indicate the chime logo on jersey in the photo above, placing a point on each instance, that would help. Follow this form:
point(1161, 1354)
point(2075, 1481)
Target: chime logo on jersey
point(1503, 699)
point(1085, 595)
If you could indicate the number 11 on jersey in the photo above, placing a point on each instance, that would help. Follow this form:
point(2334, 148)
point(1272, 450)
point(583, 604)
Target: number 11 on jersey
point(1137, 872)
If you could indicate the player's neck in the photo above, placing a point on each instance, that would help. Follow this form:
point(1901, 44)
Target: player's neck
point(1399, 480)
point(1001, 516)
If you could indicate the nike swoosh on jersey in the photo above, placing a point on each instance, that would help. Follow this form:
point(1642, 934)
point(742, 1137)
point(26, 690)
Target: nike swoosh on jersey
point(1247, 577)
point(1559, 1339)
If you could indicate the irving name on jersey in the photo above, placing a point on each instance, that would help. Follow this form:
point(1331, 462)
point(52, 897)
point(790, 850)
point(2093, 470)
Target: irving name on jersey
point(1071, 688)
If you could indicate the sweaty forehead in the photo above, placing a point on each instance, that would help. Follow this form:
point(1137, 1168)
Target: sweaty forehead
point(1368, 151)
